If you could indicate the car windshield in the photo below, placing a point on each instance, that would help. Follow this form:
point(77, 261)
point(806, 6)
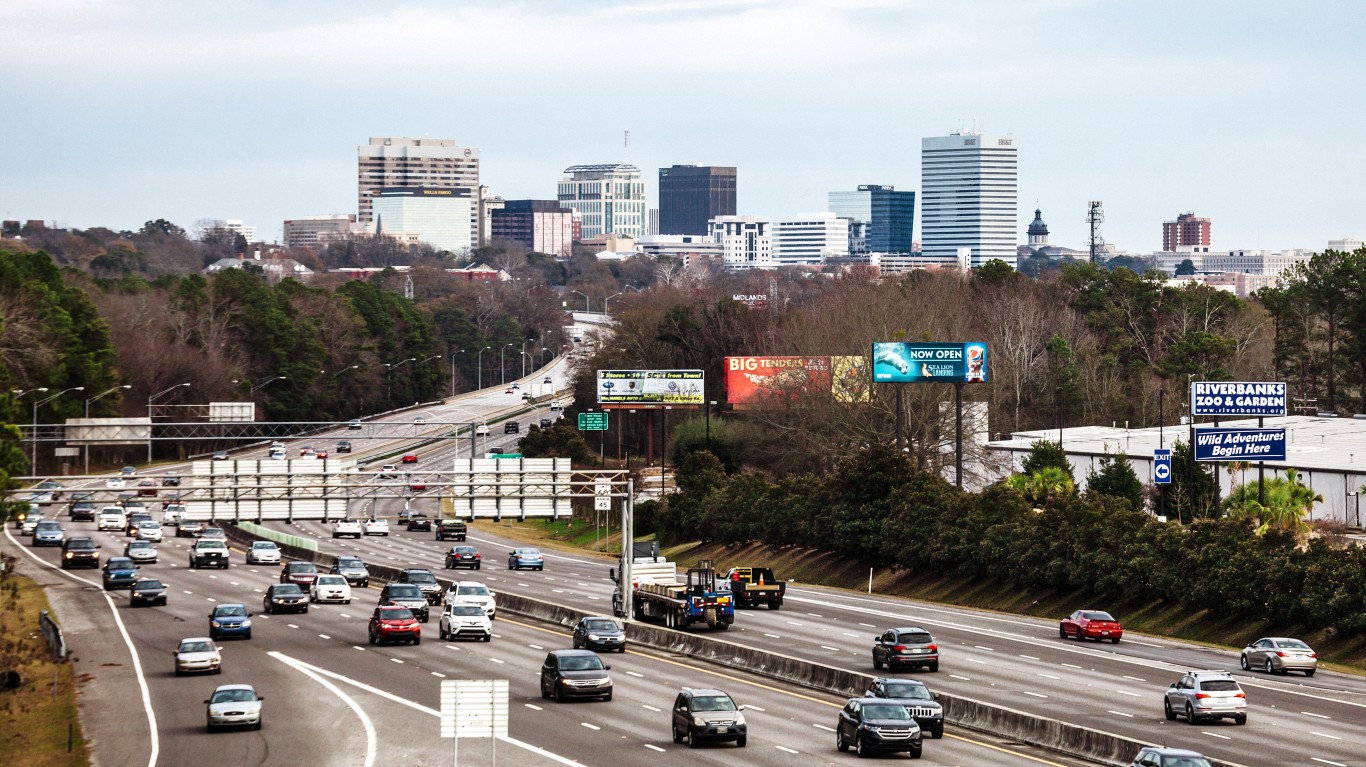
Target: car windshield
point(263, 545)
point(421, 578)
point(528, 553)
point(1290, 644)
point(230, 611)
point(466, 610)
point(472, 591)
point(196, 647)
point(1219, 685)
point(232, 696)
point(600, 625)
point(302, 567)
point(713, 703)
point(909, 691)
point(349, 562)
point(48, 526)
point(1185, 761)
point(914, 637)
point(405, 591)
point(396, 615)
point(139, 545)
point(149, 524)
point(79, 543)
point(1097, 616)
point(885, 711)
point(147, 584)
point(214, 532)
point(120, 562)
point(210, 544)
point(464, 549)
point(581, 663)
point(331, 580)
point(287, 589)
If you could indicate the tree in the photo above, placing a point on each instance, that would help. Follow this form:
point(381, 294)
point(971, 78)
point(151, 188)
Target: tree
point(1042, 453)
point(1186, 267)
point(1286, 503)
point(1116, 478)
point(161, 226)
point(994, 272)
point(1193, 490)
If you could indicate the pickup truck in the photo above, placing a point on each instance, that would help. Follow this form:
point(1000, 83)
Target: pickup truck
point(209, 552)
point(753, 586)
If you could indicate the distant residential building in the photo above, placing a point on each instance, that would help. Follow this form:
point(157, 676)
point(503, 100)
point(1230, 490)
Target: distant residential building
point(439, 217)
point(968, 197)
point(416, 163)
point(276, 269)
point(809, 239)
point(487, 205)
point(542, 226)
point(609, 198)
point(318, 231)
point(745, 241)
point(232, 227)
point(692, 195)
point(883, 217)
point(1188, 230)
point(1346, 246)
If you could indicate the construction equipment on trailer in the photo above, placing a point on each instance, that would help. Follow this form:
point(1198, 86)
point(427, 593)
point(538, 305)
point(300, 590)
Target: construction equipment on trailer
point(659, 595)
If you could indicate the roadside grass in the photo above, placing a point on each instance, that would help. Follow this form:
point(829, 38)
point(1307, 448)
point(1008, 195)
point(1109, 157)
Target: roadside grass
point(34, 720)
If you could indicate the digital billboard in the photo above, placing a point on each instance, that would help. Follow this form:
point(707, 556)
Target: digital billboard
point(752, 381)
point(900, 362)
point(1238, 398)
point(650, 388)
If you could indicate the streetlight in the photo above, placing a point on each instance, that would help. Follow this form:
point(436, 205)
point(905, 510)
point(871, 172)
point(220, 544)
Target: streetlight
point(343, 370)
point(502, 367)
point(259, 387)
point(609, 298)
point(87, 417)
point(524, 357)
point(479, 365)
point(632, 287)
point(149, 416)
point(33, 464)
point(388, 377)
point(586, 310)
point(462, 351)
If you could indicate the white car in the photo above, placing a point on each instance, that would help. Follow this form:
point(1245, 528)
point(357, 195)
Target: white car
point(375, 527)
point(234, 704)
point(465, 619)
point(277, 454)
point(198, 654)
point(349, 527)
point(474, 593)
point(115, 483)
point(141, 552)
point(30, 523)
point(263, 553)
point(171, 514)
point(111, 518)
point(482, 430)
point(149, 531)
point(388, 471)
point(330, 588)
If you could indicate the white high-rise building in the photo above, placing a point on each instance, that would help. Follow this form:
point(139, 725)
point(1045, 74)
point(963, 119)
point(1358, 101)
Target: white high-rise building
point(609, 198)
point(745, 242)
point(439, 217)
point(416, 163)
point(232, 227)
point(809, 239)
point(968, 197)
point(318, 231)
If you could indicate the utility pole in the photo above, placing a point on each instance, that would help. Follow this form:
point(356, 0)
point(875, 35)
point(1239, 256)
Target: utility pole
point(1095, 215)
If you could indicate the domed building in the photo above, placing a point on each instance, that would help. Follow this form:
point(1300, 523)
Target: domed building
point(1038, 231)
point(1038, 246)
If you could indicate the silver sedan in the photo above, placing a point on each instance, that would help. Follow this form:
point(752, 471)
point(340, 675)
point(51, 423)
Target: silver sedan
point(232, 705)
point(1278, 655)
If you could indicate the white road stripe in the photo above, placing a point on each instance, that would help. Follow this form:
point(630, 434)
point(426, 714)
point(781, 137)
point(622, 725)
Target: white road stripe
point(1319, 716)
point(1215, 735)
point(395, 660)
point(589, 726)
point(533, 707)
point(964, 678)
point(1050, 676)
point(324, 636)
point(1035, 694)
point(1324, 735)
point(653, 747)
point(1136, 679)
point(1120, 713)
point(823, 727)
point(1130, 694)
point(1325, 761)
point(828, 647)
point(370, 738)
point(1031, 657)
point(635, 674)
point(788, 750)
point(651, 708)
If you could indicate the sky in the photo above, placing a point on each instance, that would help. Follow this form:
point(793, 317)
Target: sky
point(1244, 111)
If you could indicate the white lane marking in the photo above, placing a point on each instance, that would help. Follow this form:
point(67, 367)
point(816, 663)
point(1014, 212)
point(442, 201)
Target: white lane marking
point(981, 647)
point(595, 597)
point(370, 738)
point(823, 727)
point(828, 647)
point(964, 678)
point(1135, 678)
point(1072, 665)
point(1120, 713)
point(1215, 735)
point(1311, 713)
point(1049, 676)
point(344, 615)
point(788, 750)
point(127, 640)
point(589, 726)
point(974, 660)
point(1325, 761)
point(653, 747)
point(395, 660)
point(772, 636)
point(211, 599)
point(1130, 694)
point(533, 707)
point(794, 623)
point(1035, 694)
point(651, 708)
point(535, 647)
point(1324, 735)
point(1031, 657)
point(357, 647)
point(869, 625)
point(235, 583)
point(188, 592)
point(752, 707)
point(846, 633)
point(635, 674)
point(292, 625)
point(438, 674)
point(816, 615)
point(324, 636)
point(496, 660)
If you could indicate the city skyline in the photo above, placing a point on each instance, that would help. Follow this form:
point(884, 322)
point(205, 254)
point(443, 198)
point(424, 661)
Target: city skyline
point(1245, 117)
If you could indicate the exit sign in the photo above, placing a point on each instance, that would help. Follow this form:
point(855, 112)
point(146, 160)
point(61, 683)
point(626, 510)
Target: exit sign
point(592, 422)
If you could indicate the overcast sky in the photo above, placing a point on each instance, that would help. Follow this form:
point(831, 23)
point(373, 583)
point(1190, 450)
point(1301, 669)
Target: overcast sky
point(1245, 111)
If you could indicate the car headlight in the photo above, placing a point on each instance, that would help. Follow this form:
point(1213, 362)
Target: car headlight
point(217, 625)
point(68, 555)
point(246, 624)
point(699, 721)
point(593, 637)
point(739, 718)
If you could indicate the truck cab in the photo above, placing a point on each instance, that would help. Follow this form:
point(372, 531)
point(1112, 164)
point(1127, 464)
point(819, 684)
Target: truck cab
point(753, 586)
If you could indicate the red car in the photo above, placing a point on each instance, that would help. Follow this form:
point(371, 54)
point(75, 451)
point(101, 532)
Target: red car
point(1090, 624)
point(320, 454)
point(145, 487)
point(409, 458)
point(395, 624)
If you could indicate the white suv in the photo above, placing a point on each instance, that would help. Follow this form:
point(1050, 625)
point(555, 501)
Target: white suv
point(349, 527)
point(111, 518)
point(1206, 695)
point(465, 619)
point(475, 593)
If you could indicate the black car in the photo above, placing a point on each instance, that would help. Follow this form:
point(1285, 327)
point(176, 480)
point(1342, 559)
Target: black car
point(512, 427)
point(425, 581)
point(876, 725)
point(419, 523)
point(353, 570)
point(451, 530)
point(405, 595)
point(170, 482)
point(545, 423)
point(343, 447)
point(147, 591)
point(80, 552)
point(462, 556)
point(81, 511)
point(599, 633)
point(575, 674)
point(907, 647)
point(923, 705)
point(284, 597)
point(706, 714)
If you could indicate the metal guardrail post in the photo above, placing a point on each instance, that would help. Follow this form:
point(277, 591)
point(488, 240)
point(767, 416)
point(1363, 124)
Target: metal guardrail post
point(56, 643)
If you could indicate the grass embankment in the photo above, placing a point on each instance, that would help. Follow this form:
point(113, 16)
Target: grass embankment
point(33, 722)
point(823, 568)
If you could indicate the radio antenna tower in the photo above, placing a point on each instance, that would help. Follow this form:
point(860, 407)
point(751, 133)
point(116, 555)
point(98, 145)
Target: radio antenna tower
point(627, 145)
point(1094, 216)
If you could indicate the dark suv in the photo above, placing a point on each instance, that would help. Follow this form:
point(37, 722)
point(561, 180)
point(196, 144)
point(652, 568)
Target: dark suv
point(908, 647)
point(707, 714)
point(424, 580)
point(451, 530)
point(301, 574)
point(353, 569)
point(874, 725)
point(575, 674)
point(80, 552)
point(405, 595)
point(82, 511)
point(923, 705)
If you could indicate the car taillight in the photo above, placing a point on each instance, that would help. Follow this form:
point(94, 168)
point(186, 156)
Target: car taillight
point(476, 556)
point(1280, 654)
point(1314, 655)
point(932, 647)
point(1201, 696)
point(899, 648)
point(1240, 695)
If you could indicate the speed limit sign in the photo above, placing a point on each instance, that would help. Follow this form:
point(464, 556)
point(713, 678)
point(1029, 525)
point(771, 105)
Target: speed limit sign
point(1162, 467)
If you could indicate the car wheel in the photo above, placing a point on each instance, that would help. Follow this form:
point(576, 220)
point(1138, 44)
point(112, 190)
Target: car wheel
point(607, 697)
point(576, 643)
point(1080, 636)
point(877, 664)
point(476, 567)
point(937, 732)
point(417, 640)
point(179, 671)
point(346, 601)
point(1114, 640)
point(1309, 671)
point(544, 694)
point(256, 726)
point(247, 635)
point(218, 670)
point(1062, 632)
point(839, 742)
point(677, 737)
point(1167, 709)
point(859, 748)
point(488, 637)
point(692, 740)
point(934, 666)
point(372, 638)
point(305, 609)
point(915, 753)
point(1242, 661)
point(1190, 714)
point(740, 741)
point(1270, 669)
point(555, 693)
point(622, 650)
point(1240, 719)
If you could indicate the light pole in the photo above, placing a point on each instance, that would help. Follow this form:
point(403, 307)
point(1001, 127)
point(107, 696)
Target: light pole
point(428, 359)
point(586, 309)
point(524, 358)
point(33, 463)
point(462, 351)
point(502, 367)
point(149, 416)
point(87, 417)
point(343, 370)
point(388, 377)
point(609, 298)
point(632, 287)
point(479, 365)
point(261, 386)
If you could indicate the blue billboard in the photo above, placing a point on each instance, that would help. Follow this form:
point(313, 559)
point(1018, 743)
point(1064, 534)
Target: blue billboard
point(1240, 444)
point(1238, 398)
point(899, 362)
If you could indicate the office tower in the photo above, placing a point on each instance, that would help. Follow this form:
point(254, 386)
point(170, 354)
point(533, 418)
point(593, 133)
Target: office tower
point(745, 242)
point(609, 198)
point(488, 203)
point(439, 217)
point(318, 231)
point(417, 163)
point(883, 218)
point(1188, 230)
point(809, 239)
point(968, 189)
point(692, 195)
point(229, 228)
point(541, 226)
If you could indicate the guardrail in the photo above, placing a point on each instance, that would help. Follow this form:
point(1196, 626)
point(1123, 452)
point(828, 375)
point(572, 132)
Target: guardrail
point(285, 539)
point(53, 634)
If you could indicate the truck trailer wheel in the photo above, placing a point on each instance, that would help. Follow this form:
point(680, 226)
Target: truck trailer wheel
point(776, 604)
point(710, 616)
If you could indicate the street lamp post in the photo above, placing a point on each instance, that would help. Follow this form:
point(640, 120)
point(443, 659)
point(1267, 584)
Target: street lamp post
point(586, 309)
point(20, 393)
point(462, 351)
point(260, 386)
point(502, 367)
point(149, 416)
point(388, 377)
point(605, 300)
point(479, 365)
point(33, 463)
point(343, 370)
point(524, 358)
point(86, 449)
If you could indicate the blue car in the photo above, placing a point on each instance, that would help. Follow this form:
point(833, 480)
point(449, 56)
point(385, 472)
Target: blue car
point(528, 558)
point(229, 621)
point(119, 573)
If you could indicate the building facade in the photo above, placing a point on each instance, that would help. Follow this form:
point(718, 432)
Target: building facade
point(883, 218)
point(318, 231)
point(1187, 231)
point(416, 163)
point(610, 199)
point(541, 226)
point(439, 217)
point(969, 187)
point(692, 195)
point(230, 227)
point(745, 241)
point(488, 203)
point(809, 239)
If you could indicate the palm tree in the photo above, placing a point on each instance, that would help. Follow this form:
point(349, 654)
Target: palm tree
point(1287, 503)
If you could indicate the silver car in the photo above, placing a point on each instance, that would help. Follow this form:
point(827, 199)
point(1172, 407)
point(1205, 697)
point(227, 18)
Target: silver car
point(1158, 756)
point(48, 533)
point(198, 654)
point(142, 552)
point(233, 705)
point(1206, 695)
point(263, 553)
point(1278, 655)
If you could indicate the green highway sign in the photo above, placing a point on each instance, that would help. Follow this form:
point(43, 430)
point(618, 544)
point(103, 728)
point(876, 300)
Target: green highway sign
point(505, 455)
point(592, 422)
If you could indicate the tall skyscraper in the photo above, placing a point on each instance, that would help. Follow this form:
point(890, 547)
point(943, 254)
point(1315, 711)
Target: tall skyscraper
point(439, 217)
point(1187, 231)
point(692, 195)
point(886, 215)
point(609, 198)
point(416, 163)
point(968, 197)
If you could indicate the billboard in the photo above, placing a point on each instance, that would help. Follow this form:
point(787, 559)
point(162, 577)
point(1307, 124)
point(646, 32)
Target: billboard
point(1238, 398)
point(651, 388)
point(752, 381)
point(1240, 444)
point(898, 362)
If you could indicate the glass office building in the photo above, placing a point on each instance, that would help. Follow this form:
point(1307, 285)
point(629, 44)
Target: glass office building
point(884, 217)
